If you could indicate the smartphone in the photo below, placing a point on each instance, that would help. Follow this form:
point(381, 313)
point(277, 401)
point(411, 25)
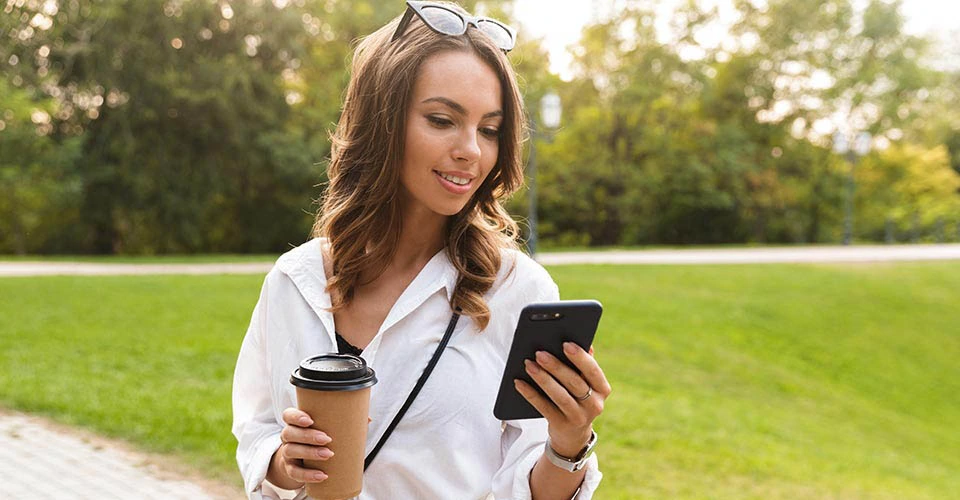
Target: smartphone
point(543, 326)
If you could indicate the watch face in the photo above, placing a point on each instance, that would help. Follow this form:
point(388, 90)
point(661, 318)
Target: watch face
point(588, 448)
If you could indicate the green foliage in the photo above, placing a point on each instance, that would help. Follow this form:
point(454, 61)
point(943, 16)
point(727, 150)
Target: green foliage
point(663, 147)
point(183, 127)
point(188, 140)
point(914, 189)
point(38, 189)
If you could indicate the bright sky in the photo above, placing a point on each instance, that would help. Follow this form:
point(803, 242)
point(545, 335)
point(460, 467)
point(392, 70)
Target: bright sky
point(560, 21)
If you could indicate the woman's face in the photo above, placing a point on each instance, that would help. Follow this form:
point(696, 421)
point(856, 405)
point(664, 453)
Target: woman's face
point(453, 129)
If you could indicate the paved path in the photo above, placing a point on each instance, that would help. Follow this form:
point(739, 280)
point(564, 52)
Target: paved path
point(767, 255)
point(43, 460)
point(96, 269)
point(809, 254)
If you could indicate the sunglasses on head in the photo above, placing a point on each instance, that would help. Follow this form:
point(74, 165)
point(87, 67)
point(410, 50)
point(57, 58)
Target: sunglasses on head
point(444, 20)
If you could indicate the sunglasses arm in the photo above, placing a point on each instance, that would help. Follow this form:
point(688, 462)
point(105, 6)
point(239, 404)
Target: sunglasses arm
point(404, 22)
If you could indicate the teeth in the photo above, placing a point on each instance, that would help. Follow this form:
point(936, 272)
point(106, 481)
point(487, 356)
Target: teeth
point(456, 180)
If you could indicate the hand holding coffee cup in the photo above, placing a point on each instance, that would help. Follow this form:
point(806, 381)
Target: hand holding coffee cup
point(301, 442)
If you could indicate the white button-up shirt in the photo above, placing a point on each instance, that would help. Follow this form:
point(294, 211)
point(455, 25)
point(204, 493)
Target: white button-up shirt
point(448, 444)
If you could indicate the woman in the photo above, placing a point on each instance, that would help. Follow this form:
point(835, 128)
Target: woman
point(412, 228)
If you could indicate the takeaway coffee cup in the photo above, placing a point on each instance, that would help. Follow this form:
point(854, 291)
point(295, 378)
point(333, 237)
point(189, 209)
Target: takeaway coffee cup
point(334, 389)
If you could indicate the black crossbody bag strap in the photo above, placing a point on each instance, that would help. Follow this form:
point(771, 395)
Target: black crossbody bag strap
point(416, 389)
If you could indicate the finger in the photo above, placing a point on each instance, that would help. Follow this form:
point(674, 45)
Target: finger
point(537, 400)
point(309, 436)
point(294, 416)
point(570, 379)
point(303, 474)
point(293, 452)
point(588, 368)
point(556, 392)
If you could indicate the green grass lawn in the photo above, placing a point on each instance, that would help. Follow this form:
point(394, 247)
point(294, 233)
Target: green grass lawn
point(767, 381)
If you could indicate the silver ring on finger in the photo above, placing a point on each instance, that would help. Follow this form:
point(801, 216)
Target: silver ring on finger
point(585, 396)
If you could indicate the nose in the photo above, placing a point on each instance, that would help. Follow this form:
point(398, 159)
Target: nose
point(467, 148)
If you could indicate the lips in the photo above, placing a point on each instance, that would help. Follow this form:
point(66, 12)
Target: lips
point(452, 186)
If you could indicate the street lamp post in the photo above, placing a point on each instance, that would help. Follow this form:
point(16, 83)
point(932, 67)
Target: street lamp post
point(532, 190)
point(861, 147)
point(550, 111)
point(841, 148)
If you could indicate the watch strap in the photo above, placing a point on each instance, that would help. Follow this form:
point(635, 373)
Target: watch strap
point(571, 464)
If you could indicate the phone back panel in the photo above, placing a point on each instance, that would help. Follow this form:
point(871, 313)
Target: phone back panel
point(543, 326)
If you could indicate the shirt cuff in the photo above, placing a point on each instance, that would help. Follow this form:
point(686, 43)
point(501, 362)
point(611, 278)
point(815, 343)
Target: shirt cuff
point(269, 491)
point(521, 478)
point(257, 469)
point(591, 480)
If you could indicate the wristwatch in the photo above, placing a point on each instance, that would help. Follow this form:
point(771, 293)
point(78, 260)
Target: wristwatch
point(571, 464)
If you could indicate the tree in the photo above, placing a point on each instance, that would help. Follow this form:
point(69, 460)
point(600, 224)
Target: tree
point(38, 190)
point(913, 188)
point(181, 114)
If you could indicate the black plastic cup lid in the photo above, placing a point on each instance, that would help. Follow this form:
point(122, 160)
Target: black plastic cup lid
point(333, 372)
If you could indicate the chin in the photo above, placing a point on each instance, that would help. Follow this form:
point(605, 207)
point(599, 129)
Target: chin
point(449, 210)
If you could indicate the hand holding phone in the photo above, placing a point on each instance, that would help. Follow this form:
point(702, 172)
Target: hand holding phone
point(546, 327)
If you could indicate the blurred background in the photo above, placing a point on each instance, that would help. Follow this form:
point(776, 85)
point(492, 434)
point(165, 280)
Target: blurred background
point(176, 126)
point(156, 127)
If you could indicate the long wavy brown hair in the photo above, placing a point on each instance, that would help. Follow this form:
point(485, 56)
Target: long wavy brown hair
point(360, 211)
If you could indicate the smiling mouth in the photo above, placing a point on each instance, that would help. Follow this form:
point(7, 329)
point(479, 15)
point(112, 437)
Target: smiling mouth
point(460, 181)
point(454, 184)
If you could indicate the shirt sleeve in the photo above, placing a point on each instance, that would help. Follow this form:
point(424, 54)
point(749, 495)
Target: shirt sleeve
point(522, 444)
point(254, 422)
point(522, 441)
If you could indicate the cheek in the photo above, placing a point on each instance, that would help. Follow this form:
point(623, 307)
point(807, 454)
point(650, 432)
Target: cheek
point(415, 148)
point(422, 144)
point(411, 145)
point(490, 156)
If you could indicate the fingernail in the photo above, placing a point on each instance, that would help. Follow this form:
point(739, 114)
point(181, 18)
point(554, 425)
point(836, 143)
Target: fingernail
point(305, 421)
point(531, 366)
point(520, 387)
point(569, 347)
point(324, 454)
point(319, 476)
point(542, 357)
point(322, 438)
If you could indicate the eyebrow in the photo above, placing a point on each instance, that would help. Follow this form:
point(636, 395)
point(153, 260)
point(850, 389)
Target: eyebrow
point(458, 108)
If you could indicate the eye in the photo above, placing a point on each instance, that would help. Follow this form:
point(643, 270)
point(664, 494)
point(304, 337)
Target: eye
point(438, 121)
point(490, 133)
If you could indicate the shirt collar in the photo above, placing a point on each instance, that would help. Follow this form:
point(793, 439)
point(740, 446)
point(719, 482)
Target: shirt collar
point(448, 273)
point(304, 265)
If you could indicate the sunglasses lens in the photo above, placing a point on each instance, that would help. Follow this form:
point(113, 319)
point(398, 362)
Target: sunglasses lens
point(498, 33)
point(443, 20)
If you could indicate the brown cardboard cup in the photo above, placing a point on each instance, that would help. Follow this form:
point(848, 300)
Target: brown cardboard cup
point(334, 389)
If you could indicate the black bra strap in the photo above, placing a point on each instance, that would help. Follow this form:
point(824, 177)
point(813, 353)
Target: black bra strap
point(416, 388)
